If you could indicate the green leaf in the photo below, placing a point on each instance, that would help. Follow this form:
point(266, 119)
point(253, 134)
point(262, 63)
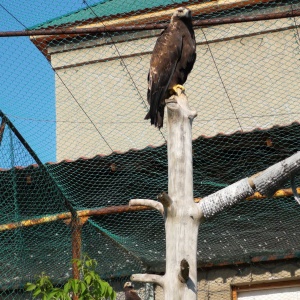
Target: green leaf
point(89, 263)
point(113, 296)
point(52, 294)
point(37, 292)
point(109, 290)
point(75, 285)
point(82, 287)
point(67, 287)
point(30, 286)
point(78, 262)
point(88, 279)
point(103, 288)
point(42, 280)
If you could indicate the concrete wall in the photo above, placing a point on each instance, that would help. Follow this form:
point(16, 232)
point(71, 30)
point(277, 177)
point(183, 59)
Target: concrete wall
point(248, 77)
point(216, 283)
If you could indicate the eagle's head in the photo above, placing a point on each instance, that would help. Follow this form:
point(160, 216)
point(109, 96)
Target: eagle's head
point(182, 13)
point(128, 284)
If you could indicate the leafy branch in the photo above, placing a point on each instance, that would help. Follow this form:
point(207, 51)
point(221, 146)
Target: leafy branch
point(89, 287)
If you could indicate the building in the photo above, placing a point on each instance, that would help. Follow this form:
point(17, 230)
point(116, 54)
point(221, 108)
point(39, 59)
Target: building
point(245, 76)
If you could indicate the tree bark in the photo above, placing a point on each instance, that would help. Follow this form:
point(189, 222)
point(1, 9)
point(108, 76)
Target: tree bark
point(265, 182)
point(182, 215)
point(268, 181)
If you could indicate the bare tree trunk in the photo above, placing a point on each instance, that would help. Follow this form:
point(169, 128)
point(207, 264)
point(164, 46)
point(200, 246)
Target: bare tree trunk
point(182, 215)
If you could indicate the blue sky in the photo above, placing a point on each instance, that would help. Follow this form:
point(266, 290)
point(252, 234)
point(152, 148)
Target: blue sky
point(27, 90)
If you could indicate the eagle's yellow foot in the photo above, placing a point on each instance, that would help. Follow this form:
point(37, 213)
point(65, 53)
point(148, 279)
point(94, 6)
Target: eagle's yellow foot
point(175, 88)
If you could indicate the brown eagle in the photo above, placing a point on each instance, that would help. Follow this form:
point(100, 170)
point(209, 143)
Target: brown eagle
point(172, 59)
point(130, 293)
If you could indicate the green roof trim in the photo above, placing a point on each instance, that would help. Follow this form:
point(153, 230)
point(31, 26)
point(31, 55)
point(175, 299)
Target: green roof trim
point(103, 9)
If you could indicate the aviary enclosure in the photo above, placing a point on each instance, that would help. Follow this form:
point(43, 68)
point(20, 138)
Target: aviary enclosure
point(75, 149)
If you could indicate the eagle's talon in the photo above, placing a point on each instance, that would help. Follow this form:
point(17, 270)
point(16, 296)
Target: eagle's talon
point(175, 88)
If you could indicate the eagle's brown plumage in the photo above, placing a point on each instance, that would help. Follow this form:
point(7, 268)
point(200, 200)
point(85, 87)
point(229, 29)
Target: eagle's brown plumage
point(172, 60)
point(130, 293)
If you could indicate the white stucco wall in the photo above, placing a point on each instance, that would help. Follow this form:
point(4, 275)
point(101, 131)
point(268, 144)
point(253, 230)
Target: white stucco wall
point(247, 78)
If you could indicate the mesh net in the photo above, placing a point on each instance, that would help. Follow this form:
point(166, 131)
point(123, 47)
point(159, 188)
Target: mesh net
point(73, 140)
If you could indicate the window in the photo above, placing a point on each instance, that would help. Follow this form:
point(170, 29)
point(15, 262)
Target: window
point(289, 290)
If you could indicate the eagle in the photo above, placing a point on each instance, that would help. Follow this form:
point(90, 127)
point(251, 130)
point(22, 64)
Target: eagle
point(172, 59)
point(130, 293)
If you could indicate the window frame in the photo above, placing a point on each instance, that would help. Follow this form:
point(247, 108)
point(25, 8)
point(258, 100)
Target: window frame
point(235, 289)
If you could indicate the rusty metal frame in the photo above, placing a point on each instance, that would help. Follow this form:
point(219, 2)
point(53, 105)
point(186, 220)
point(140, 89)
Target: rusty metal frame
point(103, 29)
point(67, 215)
point(116, 210)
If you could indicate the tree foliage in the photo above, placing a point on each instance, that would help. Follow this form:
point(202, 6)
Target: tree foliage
point(89, 287)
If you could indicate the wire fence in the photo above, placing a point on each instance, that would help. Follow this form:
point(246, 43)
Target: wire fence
point(74, 144)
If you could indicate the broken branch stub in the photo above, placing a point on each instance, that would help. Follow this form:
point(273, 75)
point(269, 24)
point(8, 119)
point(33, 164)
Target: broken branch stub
point(164, 198)
point(147, 202)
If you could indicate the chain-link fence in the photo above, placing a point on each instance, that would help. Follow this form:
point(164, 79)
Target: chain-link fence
point(74, 144)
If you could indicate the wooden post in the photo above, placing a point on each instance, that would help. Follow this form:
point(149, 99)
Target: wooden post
point(182, 215)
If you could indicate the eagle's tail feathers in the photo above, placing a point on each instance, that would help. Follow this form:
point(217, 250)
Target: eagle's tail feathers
point(147, 117)
point(160, 117)
point(156, 112)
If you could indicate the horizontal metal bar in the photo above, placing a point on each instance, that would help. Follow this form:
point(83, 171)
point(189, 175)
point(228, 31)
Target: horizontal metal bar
point(67, 215)
point(117, 210)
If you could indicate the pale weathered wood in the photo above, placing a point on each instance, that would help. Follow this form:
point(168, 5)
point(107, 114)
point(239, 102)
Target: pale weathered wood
point(147, 202)
point(151, 278)
point(265, 182)
point(182, 215)
point(268, 181)
point(232, 194)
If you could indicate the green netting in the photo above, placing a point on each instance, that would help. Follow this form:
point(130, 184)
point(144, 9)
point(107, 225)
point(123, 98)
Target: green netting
point(75, 138)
